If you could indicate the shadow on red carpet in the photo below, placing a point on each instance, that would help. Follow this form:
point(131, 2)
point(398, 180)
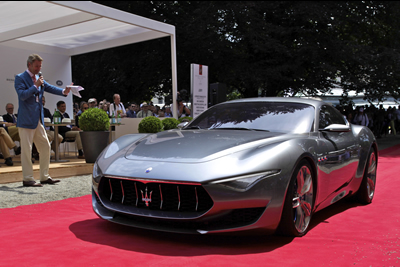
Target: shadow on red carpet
point(154, 242)
point(225, 244)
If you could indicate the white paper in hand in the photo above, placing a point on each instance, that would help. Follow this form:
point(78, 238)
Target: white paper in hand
point(75, 90)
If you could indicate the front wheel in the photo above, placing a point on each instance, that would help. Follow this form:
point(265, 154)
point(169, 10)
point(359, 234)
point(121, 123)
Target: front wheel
point(366, 191)
point(299, 202)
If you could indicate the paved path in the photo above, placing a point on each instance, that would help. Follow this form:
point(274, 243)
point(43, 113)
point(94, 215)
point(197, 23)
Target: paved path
point(14, 194)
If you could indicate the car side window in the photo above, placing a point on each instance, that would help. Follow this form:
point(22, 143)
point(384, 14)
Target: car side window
point(329, 115)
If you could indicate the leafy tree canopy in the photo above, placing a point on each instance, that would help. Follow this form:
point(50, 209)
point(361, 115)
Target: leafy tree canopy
point(255, 47)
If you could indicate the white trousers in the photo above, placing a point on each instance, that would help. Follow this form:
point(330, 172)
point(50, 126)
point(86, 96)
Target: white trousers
point(39, 137)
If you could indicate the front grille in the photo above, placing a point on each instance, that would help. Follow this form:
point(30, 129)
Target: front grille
point(154, 196)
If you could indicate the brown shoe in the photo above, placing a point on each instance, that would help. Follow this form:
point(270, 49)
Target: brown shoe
point(81, 157)
point(49, 181)
point(31, 183)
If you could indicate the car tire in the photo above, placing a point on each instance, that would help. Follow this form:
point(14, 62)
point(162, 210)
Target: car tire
point(299, 202)
point(366, 192)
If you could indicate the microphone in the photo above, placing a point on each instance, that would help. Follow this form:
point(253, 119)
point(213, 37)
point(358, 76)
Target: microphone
point(40, 75)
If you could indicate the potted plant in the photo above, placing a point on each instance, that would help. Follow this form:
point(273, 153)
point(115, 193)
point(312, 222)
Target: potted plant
point(150, 125)
point(170, 123)
point(95, 125)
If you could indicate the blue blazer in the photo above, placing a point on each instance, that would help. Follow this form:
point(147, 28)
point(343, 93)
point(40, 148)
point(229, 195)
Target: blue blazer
point(29, 111)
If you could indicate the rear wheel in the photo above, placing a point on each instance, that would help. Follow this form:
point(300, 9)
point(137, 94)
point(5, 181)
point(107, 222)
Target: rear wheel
point(299, 202)
point(366, 191)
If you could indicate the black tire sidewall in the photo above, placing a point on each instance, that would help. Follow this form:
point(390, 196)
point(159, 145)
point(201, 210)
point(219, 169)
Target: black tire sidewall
point(362, 194)
point(287, 227)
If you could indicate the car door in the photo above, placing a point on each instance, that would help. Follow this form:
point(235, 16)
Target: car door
point(337, 162)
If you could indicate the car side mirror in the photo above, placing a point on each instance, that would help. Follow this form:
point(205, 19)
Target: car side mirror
point(336, 128)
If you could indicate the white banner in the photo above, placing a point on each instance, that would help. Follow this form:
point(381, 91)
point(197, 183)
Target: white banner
point(199, 88)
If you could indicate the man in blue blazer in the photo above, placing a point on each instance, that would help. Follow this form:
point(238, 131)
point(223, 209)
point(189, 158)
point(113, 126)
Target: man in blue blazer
point(30, 87)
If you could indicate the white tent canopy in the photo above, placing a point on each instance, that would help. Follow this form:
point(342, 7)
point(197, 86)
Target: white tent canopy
point(75, 27)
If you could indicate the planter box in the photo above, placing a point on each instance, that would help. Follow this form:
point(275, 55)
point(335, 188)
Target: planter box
point(93, 144)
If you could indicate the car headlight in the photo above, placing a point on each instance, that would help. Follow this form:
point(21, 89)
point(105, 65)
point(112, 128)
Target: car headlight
point(97, 173)
point(243, 183)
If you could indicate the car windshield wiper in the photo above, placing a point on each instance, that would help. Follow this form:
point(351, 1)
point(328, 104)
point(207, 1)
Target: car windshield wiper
point(239, 128)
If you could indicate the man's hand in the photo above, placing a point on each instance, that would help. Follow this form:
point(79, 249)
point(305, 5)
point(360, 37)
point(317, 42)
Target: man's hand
point(39, 81)
point(67, 89)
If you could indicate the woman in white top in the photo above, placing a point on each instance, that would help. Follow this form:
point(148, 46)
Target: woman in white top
point(116, 106)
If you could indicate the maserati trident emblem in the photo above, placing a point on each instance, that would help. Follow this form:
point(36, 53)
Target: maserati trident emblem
point(145, 198)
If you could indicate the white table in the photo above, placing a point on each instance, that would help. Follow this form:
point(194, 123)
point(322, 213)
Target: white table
point(56, 152)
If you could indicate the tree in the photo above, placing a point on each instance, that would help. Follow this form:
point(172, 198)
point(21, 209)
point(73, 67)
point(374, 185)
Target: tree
point(255, 47)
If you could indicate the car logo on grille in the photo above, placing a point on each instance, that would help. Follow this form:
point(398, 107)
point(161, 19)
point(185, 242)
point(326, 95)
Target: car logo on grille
point(149, 170)
point(145, 198)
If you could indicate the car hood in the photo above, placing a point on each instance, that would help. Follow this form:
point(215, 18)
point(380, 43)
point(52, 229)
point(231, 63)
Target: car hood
point(195, 145)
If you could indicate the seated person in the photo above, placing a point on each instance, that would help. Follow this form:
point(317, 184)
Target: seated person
point(154, 109)
point(84, 106)
point(168, 112)
point(6, 143)
point(49, 129)
point(161, 114)
point(105, 108)
point(131, 113)
point(145, 112)
point(10, 122)
point(10, 116)
point(68, 131)
point(92, 102)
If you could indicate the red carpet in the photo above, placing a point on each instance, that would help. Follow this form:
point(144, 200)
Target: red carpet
point(68, 233)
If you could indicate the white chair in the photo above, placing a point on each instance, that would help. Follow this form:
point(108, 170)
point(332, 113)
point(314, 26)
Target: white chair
point(66, 142)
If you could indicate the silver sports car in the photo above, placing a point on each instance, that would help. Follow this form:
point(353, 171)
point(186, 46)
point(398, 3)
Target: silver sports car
point(265, 164)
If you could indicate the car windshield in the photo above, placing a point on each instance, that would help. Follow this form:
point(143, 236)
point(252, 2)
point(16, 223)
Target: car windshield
point(283, 117)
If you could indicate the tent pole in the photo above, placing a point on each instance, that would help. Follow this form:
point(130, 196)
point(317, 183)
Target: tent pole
point(174, 77)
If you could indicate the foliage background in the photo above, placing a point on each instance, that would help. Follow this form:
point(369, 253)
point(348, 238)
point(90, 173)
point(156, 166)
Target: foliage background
point(257, 48)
